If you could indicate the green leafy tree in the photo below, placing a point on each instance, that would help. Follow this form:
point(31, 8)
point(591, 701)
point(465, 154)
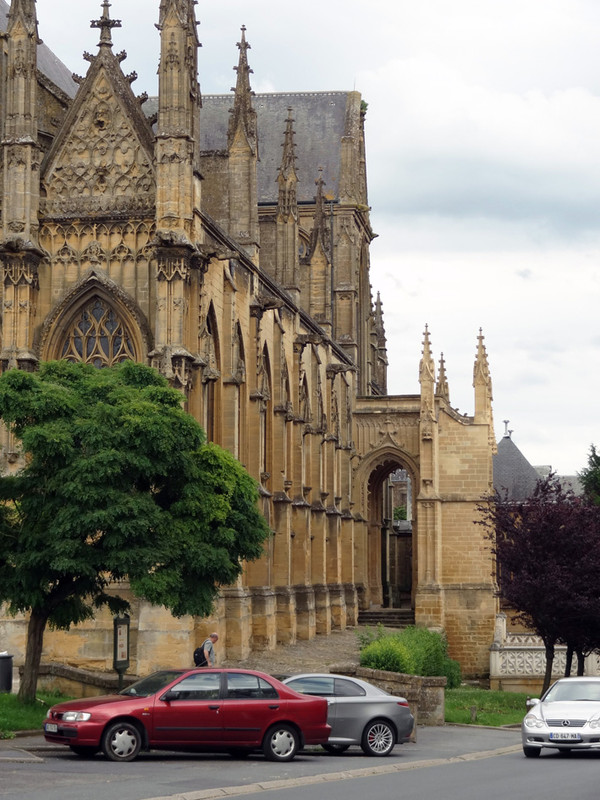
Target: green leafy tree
point(590, 476)
point(118, 484)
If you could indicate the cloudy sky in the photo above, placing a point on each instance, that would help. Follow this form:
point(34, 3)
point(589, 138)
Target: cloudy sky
point(483, 151)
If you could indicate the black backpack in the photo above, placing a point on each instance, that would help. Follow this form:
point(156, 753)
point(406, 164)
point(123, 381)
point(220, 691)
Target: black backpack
point(199, 658)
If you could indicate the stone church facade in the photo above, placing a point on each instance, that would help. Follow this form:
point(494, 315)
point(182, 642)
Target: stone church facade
point(225, 241)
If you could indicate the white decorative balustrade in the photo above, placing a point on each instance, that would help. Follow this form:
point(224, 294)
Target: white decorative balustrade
point(518, 660)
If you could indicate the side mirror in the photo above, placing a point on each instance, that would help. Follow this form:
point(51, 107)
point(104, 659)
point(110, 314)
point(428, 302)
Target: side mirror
point(532, 701)
point(172, 694)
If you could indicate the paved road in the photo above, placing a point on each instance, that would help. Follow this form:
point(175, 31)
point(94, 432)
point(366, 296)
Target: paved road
point(33, 771)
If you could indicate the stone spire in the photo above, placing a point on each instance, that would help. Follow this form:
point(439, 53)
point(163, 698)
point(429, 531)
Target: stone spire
point(428, 454)
point(320, 230)
point(380, 375)
point(106, 24)
point(177, 137)
point(288, 177)
point(379, 319)
point(242, 139)
point(287, 260)
point(243, 115)
point(442, 389)
point(20, 254)
point(317, 295)
point(22, 154)
point(482, 383)
point(25, 11)
point(427, 381)
point(178, 193)
point(426, 367)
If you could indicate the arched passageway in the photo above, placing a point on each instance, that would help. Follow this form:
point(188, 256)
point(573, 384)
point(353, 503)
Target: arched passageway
point(392, 533)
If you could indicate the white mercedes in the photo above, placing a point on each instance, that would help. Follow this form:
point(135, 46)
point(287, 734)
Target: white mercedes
point(566, 718)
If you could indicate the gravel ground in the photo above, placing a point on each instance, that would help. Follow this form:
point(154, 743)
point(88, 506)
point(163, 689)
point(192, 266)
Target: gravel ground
point(317, 655)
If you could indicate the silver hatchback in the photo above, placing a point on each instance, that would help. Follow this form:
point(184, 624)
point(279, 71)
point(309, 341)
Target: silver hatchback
point(566, 718)
point(359, 713)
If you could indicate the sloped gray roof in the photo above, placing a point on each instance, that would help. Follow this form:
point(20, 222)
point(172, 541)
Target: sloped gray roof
point(512, 472)
point(319, 125)
point(48, 63)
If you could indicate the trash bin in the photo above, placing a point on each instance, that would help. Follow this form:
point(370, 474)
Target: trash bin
point(6, 673)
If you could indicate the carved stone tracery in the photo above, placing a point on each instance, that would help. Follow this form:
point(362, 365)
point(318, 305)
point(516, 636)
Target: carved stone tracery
point(102, 164)
point(98, 336)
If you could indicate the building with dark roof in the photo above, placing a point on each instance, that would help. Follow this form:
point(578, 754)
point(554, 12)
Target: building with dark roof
point(225, 241)
point(516, 478)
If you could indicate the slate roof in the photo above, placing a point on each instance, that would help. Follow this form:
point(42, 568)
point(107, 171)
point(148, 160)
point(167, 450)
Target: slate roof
point(319, 125)
point(512, 472)
point(48, 63)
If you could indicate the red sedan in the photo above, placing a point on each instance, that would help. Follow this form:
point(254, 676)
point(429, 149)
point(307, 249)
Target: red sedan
point(235, 711)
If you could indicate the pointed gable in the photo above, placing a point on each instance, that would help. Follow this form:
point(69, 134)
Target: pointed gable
point(512, 472)
point(102, 158)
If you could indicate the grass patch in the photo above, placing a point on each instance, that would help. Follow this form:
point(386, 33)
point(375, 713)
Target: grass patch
point(15, 716)
point(491, 708)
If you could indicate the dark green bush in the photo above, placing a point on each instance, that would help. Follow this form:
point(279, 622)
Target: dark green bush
point(388, 654)
point(421, 652)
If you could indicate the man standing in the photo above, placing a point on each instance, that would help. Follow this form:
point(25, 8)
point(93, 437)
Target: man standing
point(204, 656)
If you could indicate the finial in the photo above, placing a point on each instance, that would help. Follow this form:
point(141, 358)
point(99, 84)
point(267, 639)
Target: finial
point(106, 24)
point(426, 342)
point(442, 389)
point(426, 367)
point(507, 433)
point(242, 112)
point(288, 160)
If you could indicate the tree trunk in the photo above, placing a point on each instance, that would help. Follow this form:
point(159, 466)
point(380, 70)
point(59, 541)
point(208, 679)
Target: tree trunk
point(569, 661)
point(549, 662)
point(33, 656)
point(580, 663)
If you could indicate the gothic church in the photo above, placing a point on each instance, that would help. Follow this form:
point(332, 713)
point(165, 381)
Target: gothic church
point(225, 241)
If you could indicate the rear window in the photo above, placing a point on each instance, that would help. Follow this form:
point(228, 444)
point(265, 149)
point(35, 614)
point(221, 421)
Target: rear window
point(322, 687)
point(348, 688)
point(249, 687)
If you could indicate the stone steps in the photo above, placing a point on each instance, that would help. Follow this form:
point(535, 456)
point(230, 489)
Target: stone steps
point(389, 617)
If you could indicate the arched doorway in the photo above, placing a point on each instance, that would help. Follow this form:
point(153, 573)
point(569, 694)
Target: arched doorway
point(392, 524)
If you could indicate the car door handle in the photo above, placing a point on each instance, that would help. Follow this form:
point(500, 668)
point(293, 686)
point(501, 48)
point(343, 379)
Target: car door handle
point(274, 707)
point(214, 708)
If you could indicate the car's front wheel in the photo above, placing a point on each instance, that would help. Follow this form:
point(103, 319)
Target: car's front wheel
point(531, 752)
point(121, 741)
point(378, 738)
point(281, 743)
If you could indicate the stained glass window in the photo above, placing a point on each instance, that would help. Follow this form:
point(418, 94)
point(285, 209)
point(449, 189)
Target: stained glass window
point(98, 336)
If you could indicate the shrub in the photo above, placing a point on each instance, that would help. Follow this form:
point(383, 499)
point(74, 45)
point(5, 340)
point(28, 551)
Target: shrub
point(388, 654)
point(369, 634)
point(423, 652)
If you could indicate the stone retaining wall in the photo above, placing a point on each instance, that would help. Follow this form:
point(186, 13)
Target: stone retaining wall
point(75, 682)
point(425, 696)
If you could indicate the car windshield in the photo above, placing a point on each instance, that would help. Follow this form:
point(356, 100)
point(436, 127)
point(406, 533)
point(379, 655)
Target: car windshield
point(152, 684)
point(573, 691)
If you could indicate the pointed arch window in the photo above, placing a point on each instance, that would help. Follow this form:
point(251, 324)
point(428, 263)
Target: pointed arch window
point(98, 336)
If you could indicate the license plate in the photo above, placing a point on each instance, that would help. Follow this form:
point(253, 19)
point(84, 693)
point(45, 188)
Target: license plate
point(565, 736)
point(51, 727)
